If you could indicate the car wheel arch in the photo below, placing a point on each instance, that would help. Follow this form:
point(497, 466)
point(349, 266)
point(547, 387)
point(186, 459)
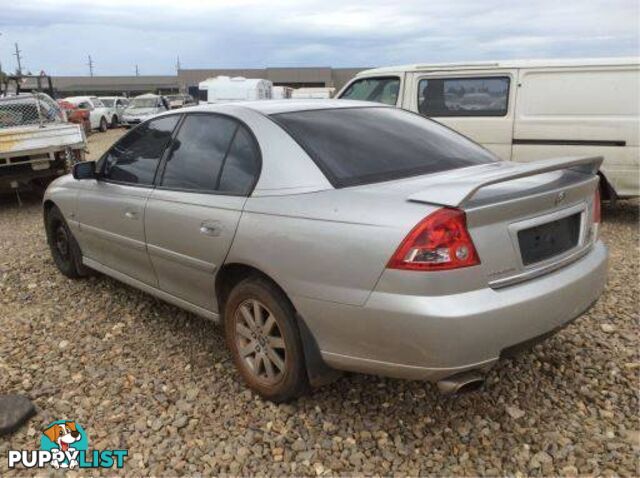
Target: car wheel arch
point(318, 372)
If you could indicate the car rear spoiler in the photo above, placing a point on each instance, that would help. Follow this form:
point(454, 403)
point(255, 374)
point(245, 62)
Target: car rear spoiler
point(455, 192)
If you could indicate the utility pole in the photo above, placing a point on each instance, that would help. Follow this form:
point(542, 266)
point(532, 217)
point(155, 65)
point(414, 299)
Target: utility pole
point(0, 69)
point(137, 71)
point(90, 65)
point(18, 58)
point(178, 64)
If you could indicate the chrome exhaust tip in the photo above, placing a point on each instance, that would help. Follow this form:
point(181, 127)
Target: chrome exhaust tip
point(461, 383)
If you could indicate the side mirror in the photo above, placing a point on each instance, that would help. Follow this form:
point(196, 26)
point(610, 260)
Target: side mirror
point(84, 170)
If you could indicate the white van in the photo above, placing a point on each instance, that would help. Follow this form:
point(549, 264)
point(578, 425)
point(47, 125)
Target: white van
point(527, 110)
point(223, 89)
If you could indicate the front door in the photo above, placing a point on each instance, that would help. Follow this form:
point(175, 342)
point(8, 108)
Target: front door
point(111, 209)
point(192, 215)
point(478, 104)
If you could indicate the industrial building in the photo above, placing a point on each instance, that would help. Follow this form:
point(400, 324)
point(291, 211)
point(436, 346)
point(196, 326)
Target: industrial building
point(187, 80)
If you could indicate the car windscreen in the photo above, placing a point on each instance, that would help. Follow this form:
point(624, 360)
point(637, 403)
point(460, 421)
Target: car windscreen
point(381, 90)
point(355, 146)
point(107, 102)
point(144, 103)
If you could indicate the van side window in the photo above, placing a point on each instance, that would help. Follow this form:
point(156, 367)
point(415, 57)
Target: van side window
point(486, 96)
point(380, 90)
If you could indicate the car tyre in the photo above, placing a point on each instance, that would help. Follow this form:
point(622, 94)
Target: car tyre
point(268, 355)
point(114, 121)
point(103, 124)
point(64, 247)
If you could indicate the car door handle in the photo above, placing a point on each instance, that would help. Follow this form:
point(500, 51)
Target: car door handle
point(131, 215)
point(211, 228)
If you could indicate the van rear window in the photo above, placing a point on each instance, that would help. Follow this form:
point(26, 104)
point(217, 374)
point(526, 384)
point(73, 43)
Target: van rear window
point(366, 145)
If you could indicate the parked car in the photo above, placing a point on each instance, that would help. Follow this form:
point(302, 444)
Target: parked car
point(527, 110)
point(143, 107)
point(318, 93)
point(224, 89)
point(334, 234)
point(179, 101)
point(99, 115)
point(76, 115)
point(37, 143)
point(117, 105)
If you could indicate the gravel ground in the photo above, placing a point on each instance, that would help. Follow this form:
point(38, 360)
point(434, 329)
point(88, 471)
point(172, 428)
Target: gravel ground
point(143, 375)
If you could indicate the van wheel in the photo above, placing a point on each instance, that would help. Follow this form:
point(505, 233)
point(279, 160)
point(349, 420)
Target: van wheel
point(114, 121)
point(262, 334)
point(103, 124)
point(64, 247)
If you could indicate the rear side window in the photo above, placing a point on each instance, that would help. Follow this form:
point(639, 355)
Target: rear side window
point(381, 90)
point(135, 157)
point(212, 153)
point(241, 164)
point(463, 96)
point(198, 151)
point(366, 145)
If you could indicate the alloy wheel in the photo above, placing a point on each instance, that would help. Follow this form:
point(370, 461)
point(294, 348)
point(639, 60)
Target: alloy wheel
point(259, 341)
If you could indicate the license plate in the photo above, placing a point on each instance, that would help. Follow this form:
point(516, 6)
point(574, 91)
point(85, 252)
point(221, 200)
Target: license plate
point(40, 165)
point(548, 240)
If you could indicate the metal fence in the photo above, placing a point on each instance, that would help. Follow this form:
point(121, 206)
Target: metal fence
point(28, 109)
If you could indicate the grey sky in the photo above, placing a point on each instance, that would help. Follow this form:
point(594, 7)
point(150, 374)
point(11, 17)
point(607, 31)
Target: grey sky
point(57, 36)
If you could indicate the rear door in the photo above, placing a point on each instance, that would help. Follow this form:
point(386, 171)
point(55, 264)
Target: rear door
point(192, 215)
point(479, 104)
point(111, 209)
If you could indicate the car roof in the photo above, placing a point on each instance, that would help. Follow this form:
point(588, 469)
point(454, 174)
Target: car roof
point(474, 65)
point(269, 107)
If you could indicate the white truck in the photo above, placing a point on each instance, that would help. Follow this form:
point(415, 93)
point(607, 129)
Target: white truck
point(527, 110)
point(224, 89)
point(37, 144)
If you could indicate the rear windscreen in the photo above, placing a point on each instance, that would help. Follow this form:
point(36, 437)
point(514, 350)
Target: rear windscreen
point(367, 145)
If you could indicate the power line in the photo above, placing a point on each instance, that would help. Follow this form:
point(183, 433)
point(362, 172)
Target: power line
point(90, 65)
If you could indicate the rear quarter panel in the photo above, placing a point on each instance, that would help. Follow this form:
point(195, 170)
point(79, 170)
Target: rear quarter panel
point(330, 245)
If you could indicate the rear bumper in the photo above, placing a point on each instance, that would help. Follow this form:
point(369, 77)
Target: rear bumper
point(432, 337)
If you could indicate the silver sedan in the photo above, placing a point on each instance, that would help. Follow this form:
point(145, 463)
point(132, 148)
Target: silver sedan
point(337, 235)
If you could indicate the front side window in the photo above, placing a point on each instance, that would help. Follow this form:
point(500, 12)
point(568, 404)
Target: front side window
point(381, 90)
point(355, 146)
point(463, 96)
point(134, 159)
point(108, 102)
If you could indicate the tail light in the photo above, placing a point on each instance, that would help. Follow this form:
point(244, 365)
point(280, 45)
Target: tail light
point(440, 241)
